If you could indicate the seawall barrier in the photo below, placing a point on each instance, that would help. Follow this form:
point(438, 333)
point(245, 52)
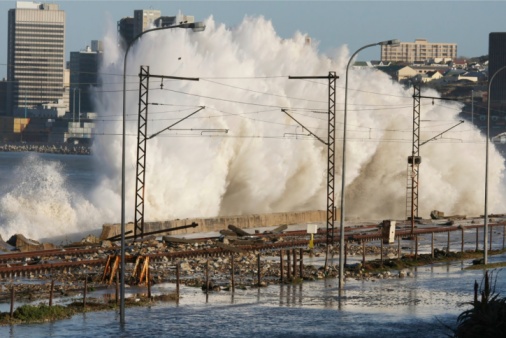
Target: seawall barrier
point(219, 223)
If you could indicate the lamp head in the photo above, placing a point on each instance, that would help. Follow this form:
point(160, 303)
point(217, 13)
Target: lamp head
point(392, 43)
point(197, 26)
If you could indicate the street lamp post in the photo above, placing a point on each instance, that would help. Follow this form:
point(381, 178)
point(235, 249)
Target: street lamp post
point(196, 27)
point(392, 43)
point(485, 227)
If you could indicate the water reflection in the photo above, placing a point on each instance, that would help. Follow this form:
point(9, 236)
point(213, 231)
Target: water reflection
point(384, 305)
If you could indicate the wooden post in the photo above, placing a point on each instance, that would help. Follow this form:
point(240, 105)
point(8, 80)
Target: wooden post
point(432, 246)
point(12, 300)
point(288, 266)
point(51, 293)
point(281, 273)
point(448, 243)
point(207, 275)
point(399, 254)
point(381, 253)
point(503, 236)
point(301, 263)
point(232, 272)
point(294, 253)
point(178, 268)
point(416, 247)
point(259, 280)
point(462, 244)
point(363, 252)
point(85, 290)
point(345, 251)
point(148, 282)
point(476, 239)
point(117, 287)
point(490, 231)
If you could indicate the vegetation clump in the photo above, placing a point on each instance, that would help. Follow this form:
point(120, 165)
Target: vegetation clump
point(487, 317)
point(37, 314)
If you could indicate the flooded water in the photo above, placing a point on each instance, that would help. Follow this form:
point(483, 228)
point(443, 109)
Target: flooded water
point(422, 306)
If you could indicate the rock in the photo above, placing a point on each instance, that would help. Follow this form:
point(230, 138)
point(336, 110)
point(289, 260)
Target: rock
point(478, 261)
point(24, 244)
point(185, 266)
point(90, 239)
point(105, 244)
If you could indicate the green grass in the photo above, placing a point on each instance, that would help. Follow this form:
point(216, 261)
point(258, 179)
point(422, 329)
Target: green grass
point(36, 314)
point(44, 313)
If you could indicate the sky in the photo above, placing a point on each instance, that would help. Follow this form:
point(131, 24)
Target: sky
point(331, 24)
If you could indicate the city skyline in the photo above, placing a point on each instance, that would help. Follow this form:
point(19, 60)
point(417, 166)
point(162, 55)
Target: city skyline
point(330, 24)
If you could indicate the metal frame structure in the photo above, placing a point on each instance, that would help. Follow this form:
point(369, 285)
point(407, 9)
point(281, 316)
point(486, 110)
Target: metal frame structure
point(141, 151)
point(414, 160)
point(142, 139)
point(413, 172)
point(331, 149)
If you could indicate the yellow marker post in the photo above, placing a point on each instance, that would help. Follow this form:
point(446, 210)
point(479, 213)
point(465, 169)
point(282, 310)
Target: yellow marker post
point(312, 229)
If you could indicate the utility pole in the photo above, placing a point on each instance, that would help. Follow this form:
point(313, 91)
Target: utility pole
point(331, 211)
point(142, 143)
point(415, 159)
point(142, 139)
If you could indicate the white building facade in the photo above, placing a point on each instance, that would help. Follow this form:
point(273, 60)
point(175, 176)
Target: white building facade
point(420, 50)
point(36, 55)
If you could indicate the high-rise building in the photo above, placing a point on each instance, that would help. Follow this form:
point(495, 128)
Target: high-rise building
point(84, 66)
point(125, 30)
point(144, 19)
point(420, 50)
point(129, 28)
point(497, 59)
point(36, 54)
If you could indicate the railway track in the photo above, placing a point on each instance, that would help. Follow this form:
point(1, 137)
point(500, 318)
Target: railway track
point(25, 264)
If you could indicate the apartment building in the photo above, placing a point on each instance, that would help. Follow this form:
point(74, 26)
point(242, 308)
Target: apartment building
point(36, 55)
point(420, 50)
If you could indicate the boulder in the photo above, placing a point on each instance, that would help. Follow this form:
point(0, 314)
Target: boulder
point(24, 244)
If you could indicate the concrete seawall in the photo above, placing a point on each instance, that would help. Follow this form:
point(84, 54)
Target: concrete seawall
point(220, 223)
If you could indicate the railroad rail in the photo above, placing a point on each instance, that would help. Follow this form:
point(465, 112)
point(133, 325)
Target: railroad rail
point(14, 266)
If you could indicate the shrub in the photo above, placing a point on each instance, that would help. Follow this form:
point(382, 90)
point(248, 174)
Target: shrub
point(41, 312)
point(487, 317)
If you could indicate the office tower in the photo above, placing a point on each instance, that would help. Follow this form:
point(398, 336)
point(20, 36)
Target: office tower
point(129, 28)
point(36, 54)
point(125, 31)
point(420, 50)
point(144, 19)
point(84, 66)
